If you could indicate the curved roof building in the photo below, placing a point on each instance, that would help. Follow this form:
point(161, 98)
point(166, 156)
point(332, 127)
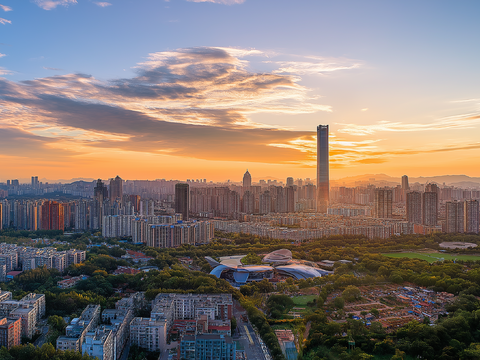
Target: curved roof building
point(278, 256)
point(243, 274)
point(240, 275)
point(301, 271)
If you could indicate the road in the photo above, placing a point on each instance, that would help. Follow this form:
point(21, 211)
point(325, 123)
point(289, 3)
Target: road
point(246, 336)
point(164, 353)
point(125, 352)
point(43, 338)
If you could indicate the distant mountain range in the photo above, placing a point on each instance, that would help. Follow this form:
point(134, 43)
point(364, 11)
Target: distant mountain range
point(64, 181)
point(462, 181)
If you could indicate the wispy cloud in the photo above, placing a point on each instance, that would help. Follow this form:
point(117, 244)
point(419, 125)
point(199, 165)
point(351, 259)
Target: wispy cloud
point(2, 55)
point(224, 2)
point(52, 4)
point(195, 103)
point(192, 102)
point(52, 68)
point(465, 101)
point(102, 3)
point(465, 121)
point(4, 21)
point(5, 71)
point(319, 65)
point(5, 8)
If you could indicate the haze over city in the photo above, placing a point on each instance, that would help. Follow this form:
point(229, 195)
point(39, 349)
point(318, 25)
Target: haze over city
point(207, 89)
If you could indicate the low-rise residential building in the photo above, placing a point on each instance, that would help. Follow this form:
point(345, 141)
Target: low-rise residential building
point(148, 333)
point(75, 257)
point(207, 346)
point(28, 258)
point(75, 332)
point(100, 343)
point(28, 314)
point(171, 306)
point(3, 273)
point(119, 322)
point(30, 309)
point(286, 339)
point(37, 301)
point(134, 301)
point(71, 282)
point(59, 261)
point(10, 332)
point(5, 295)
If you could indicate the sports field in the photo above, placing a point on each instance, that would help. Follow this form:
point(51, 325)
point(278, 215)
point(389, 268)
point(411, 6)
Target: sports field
point(303, 300)
point(431, 257)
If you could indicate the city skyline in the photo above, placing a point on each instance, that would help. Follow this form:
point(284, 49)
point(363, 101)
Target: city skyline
point(189, 89)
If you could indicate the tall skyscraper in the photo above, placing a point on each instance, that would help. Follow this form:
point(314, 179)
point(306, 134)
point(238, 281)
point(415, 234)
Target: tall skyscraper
point(405, 185)
point(34, 181)
point(100, 191)
point(52, 216)
point(323, 185)
point(471, 217)
point(182, 199)
point(116, 189)
point(414, 207)
point(383, 203)
point(430, 205)
point(289, 181)
point(454, 216)
point(247, 181)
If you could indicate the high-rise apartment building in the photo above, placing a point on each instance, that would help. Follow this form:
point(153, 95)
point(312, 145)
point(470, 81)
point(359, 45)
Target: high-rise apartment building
point(405, 185)
point(323, 185)
point(430, 205)
point(289, 181)
point(454, 216)
point(471, 217)
point(182, 199)
point(247, 181)
point(414, 207)
point(81, 215)
point(100, 193)
point(248, 202)
point(265, 205)
point(116, 189)
point(52, 216)
point(35, 182)
point(383, 203)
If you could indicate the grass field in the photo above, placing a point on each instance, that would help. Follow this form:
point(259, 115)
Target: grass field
point(431, 257)
point(303, 300)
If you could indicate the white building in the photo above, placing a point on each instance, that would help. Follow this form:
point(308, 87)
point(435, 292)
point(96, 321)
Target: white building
point(100, 343)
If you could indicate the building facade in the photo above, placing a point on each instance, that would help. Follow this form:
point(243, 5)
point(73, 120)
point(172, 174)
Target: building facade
point(323, 183)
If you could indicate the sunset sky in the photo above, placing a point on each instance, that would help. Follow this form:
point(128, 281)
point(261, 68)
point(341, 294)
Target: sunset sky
point(180, 89)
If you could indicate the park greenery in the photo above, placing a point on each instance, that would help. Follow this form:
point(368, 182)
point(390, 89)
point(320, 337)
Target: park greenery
point(45, 352)
point(251, 259)
point(455, 336)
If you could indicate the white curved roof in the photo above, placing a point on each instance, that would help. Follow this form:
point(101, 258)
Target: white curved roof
point(278, 256)
point(301, 271)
